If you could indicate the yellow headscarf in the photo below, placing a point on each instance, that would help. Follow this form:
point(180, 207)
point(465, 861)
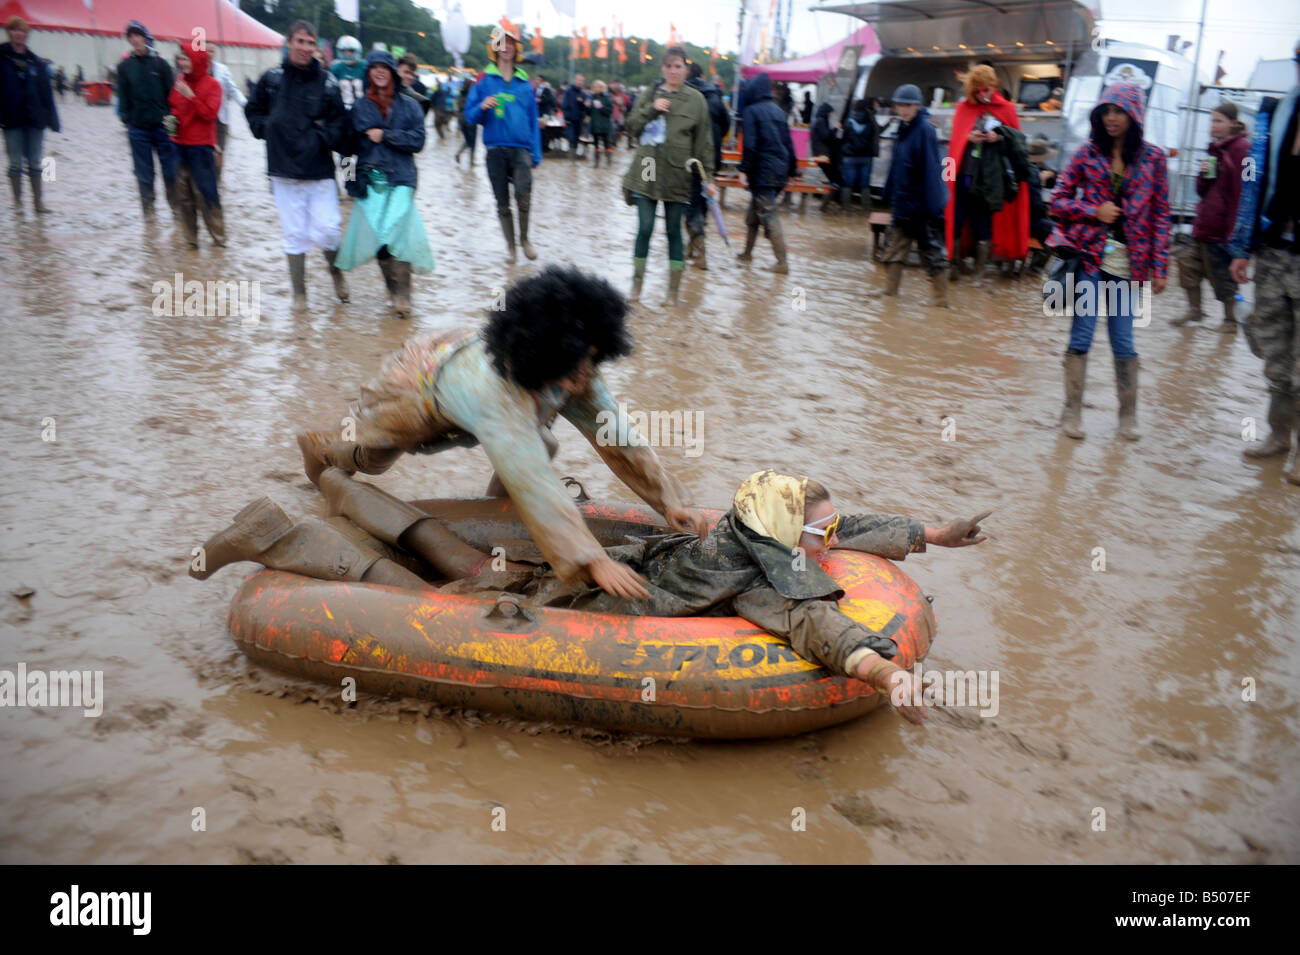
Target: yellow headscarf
point(772, 505)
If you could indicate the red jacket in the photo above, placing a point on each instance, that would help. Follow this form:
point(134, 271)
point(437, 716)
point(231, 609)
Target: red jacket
point(196, 115)
point(1011, 222)
point(1217, 212)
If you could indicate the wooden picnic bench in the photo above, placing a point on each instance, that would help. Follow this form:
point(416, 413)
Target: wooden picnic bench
point(726, 179)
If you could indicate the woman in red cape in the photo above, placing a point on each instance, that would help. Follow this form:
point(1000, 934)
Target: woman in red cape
point(1008, 235)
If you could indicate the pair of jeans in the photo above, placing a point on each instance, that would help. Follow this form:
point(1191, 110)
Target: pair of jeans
point(645, 225)
point(1093, 288)
point(23, 144)
point(857, 173)
point(507, 164)
point(967, 207)
point(144, 141)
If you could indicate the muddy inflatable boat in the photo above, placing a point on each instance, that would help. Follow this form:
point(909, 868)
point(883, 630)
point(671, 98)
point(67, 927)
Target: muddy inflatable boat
point(717, 677)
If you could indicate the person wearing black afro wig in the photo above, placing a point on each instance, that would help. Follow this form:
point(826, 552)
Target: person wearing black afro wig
point(502, 387)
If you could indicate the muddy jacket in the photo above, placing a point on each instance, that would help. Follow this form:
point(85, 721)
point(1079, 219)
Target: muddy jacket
point(300, 114)
point(25, 97)
point(143, 85)
point(461, 400)
point(1216, 213)
point(659, 171)
point(1084, 185)
point(767, 158)
point(735, 571)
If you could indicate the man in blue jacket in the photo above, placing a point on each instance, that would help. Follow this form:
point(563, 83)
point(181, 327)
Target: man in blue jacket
point(575, 105)
point(26, 110)
point(1268, 225)
point(504, 104)
point(917, 195)
point(766, 165)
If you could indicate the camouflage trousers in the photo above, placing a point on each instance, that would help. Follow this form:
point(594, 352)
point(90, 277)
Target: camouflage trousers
point(1198, 261)
point(1273, 330)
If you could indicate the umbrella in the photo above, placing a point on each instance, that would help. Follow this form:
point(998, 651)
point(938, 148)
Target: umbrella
point(713, 202)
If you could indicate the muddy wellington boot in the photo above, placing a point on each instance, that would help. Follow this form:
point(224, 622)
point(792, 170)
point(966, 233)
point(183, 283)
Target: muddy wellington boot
point(1293, 475)
point(981, 258)
point(298, 278)
point(16, 184)
point(390, 280)
point(1076, 371)
point(215, 220)
point(693, 246)
point(263, 533)
point(1229, 325)
point(525, 212)
point(1281, 419)
point(1193, 313)
point(701, 257)
point(321, 450)
point(939, 289)
point(402, 297)
point(39, 206)
point(507, 220)
point(336, 273)
point(675, 270)
point(638, 278)
point(1126, 388)
point(751, 236)
point(777, 237)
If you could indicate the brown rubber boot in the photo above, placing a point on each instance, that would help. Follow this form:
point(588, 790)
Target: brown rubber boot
point(321, 450)
point(1126, 388)
point(1229, 325)
point(263, 533)
point(402, 298)
point(336, 273)
point(751, 237)
point(701, 257)
point(1193, 313)
point(939, 289)
point(215, 220)
point(507, 220)
point(390, 282)
point(693, 246)
point(187, 214)
point(982, 249)
point(298, 277)
point(525, 213)
point(893, 277)
point(1281, 419)
point(16, 184)
point(638, 277)
point(1076, 371)
point(776, 235)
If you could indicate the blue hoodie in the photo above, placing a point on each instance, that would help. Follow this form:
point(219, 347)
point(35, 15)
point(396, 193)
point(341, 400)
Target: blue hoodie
point(518, 127)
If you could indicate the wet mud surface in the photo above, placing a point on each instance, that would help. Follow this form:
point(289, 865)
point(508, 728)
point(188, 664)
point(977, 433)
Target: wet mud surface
point(1119, 689)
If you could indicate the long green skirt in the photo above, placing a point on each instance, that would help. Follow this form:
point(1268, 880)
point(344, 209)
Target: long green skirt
point(385, 217)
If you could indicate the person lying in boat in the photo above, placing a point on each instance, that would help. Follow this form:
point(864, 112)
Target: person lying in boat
point(501, 387)
point(761, 562)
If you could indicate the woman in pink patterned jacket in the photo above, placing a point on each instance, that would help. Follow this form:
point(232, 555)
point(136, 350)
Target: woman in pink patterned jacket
point(1112, 203)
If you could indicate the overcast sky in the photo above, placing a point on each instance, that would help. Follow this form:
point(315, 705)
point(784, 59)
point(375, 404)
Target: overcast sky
point(1245, 29)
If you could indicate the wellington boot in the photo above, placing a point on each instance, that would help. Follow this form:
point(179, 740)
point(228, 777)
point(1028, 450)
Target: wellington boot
point(187, 214)
point(1126, 388)
point(390, 282)
point(16, 185)
point(893, 277)
point(215, 220)
point(37, 204)
point(1281, 419)
point(1193, 313)
point(981, 258)
point(1229, 325)
point(172, 193)
point(507, 220)
point(336, 273)
point(638, 278)
point(1076, 372)
point(321, 450)
point(524, 244)
point(1293, 475)
point(675, 270)
point(777, 237)
point(402, 297)
point(701, 257)
point(263, 533)
point(751, 237)
point(939, 289)
point(298, 278)
point(694, 246)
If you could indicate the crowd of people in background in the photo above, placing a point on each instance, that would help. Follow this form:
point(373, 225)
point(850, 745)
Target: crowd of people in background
point(1104, 218)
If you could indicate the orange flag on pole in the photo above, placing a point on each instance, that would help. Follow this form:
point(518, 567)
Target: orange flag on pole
point(585, 51)
point(602, 48)
point(537, 43)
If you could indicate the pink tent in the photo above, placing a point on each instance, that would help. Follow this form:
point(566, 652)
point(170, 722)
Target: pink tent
point(166, 19)
point(810, 69)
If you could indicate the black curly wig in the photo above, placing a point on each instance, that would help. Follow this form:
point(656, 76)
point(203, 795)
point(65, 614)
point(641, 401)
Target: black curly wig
point(551, 321)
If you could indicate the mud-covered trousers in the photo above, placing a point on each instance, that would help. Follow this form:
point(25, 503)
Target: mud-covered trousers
point(506, 165)
point(1273, 329)
point(762, 211)
point(929, 239)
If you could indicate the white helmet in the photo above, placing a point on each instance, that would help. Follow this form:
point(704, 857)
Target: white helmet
point(348, 49)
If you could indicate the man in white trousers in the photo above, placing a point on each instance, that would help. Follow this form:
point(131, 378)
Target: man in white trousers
point(297, 108)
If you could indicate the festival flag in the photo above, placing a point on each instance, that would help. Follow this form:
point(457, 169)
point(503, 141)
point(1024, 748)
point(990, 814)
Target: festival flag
point(619, 46)
point(602, 48)
point(645, 49)
point(584, 52)
point(538, 44)
point(574, 46)
point(672, 34)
